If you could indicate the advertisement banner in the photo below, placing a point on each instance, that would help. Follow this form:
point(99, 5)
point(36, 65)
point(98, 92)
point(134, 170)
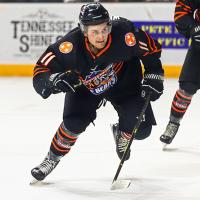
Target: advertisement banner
point(165, 32)
point(26, 33)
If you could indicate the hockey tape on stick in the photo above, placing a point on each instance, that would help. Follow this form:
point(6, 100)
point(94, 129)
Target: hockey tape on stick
point(120, 184)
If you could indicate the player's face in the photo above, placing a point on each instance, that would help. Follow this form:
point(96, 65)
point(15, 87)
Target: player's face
point(98, 35)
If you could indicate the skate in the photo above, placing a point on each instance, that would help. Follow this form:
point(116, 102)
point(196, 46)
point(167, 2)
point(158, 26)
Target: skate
point(170, 132)
point(121, 141)
point(44, 169)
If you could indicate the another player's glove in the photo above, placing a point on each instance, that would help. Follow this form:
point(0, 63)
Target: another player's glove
point(64, 81)
point(195, 36)
point(152, 83)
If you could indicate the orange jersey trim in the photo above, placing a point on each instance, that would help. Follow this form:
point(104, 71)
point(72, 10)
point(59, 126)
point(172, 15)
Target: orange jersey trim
point(102, 51)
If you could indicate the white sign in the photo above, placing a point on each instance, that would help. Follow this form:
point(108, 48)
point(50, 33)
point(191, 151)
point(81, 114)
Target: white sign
point(27, 29)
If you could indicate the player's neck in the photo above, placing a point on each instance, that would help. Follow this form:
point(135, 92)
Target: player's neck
point(94, 49)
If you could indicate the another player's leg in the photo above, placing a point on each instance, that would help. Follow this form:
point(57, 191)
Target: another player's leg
point(180, 103)
point(61, 144)
point(170, 132)
point(188, 85)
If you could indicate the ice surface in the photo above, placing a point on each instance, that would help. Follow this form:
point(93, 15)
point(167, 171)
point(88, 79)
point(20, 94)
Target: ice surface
point(28, 123)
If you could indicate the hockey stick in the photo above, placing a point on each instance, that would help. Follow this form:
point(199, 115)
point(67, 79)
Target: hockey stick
point(120, 184)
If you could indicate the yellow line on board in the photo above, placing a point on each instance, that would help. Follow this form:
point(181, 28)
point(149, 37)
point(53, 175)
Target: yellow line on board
point(27, 70)
point(16, 69)
point(172, 71)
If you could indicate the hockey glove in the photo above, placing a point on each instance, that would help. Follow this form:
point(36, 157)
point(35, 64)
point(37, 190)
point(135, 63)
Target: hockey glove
point(64, 81)
point(195, 36)
point(152, 83)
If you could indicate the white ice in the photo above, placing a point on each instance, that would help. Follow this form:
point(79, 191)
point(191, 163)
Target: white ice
point(28, 123)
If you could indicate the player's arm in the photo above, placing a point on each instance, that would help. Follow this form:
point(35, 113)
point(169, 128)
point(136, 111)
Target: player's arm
point(149, 52)
point(50, 76)
point(184, 17)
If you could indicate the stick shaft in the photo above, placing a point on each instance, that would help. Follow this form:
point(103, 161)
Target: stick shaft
point(135, 129)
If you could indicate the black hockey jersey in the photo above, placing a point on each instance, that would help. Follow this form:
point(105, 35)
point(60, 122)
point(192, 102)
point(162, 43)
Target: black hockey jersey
point(184, 15)
point(116, 69)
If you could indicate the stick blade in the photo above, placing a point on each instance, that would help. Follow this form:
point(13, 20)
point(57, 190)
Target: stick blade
point(120, 184)
point(164, 147)
point(34, 182)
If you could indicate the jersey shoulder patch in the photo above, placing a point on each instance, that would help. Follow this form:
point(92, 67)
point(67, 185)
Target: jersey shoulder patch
point(130, 39)
point(66, 47)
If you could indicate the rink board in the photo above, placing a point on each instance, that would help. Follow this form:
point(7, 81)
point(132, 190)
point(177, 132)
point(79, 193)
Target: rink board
point(30, 28)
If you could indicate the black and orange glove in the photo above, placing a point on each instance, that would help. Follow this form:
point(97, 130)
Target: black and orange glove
point(152, 83)
point(64, 81)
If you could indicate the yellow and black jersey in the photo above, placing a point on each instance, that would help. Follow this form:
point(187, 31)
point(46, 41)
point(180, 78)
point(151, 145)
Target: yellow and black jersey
point(115, 68)
point(184, 15)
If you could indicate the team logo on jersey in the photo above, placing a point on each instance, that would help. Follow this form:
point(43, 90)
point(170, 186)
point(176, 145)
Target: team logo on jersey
point(130, 39)
point(66, 47)
point(98, 81)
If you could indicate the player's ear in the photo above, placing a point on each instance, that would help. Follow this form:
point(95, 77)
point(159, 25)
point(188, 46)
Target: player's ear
point(82, 29)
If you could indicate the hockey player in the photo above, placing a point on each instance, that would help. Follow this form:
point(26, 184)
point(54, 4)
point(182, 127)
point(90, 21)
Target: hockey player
point(100, 59)
point(189, 80)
